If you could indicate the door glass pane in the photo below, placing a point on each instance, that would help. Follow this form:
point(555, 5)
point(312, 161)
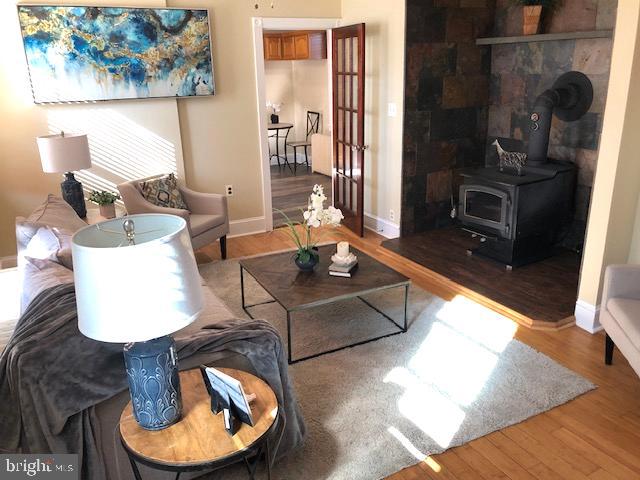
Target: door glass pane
point(340, 45)
point(347, 198)
point(355, 54)
point(354, 120)
point(483, 205)
point(347, 127)
point(354, 196)
point(347, 55)
point(340, 131)
point(354, 79)
point(340, 85)
point(347, 91)
point(340, 191)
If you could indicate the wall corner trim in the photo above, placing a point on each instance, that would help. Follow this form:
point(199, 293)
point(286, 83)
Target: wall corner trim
point(381, 226)
point(587, 316)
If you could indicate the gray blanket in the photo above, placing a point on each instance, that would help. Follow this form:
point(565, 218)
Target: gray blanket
point(51, 377)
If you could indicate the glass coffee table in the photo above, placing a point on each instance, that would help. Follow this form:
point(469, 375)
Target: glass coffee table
point(296, 291)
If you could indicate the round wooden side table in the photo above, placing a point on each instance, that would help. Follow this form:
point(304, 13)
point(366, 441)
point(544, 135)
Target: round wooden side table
point(199, 441)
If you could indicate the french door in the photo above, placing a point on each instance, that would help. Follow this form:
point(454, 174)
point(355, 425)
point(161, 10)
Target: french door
point(348, 124)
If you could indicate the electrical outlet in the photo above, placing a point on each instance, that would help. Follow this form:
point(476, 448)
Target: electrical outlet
point(392, 215)
point(392, 109)
point(229, 190)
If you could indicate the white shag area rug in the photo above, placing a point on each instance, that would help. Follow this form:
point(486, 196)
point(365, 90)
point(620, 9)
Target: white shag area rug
point(371, 410)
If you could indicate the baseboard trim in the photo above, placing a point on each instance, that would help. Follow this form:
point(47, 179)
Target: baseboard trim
point(246, 226)
point(381, 226)
point(10, 261)
point(587, 316)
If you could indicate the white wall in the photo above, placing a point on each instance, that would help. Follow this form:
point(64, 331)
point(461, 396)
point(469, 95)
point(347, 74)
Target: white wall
point(311, 93)
point(385, 39)
point(301, 86)
point(279, 89)
point(634, 251)
point(127, 138)
point(218, 135)
point(616, 188)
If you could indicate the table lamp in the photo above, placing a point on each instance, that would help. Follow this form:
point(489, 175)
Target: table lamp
point(136, 283)
point(64, 153)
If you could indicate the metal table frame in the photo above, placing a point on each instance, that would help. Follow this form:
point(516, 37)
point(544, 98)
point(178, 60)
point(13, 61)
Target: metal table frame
point(261, 448)
point(402, 328)
point(277, 136)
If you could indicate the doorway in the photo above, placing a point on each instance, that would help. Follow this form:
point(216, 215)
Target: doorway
point(294, 92)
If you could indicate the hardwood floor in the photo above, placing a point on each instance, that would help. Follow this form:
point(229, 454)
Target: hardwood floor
point(290, 192)
point(595, 437)
point(540, 295)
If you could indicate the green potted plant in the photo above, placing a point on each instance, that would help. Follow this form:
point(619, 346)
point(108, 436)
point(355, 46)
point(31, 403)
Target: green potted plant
point(315, 216)
point(105, 200)
point(532, 13)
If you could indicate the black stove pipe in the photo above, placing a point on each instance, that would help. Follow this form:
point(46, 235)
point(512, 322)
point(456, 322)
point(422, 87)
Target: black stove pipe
point(541, 126)
point(569, 99)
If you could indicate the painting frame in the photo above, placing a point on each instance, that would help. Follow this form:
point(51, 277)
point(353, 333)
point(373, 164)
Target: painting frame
point(37, 99)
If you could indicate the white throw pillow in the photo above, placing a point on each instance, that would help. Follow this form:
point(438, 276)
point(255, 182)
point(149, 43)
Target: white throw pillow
point(43, 245)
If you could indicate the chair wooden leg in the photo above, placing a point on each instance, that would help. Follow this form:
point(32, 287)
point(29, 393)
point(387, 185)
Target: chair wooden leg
point(608, 350)
point(306, 156)
point(223, 247)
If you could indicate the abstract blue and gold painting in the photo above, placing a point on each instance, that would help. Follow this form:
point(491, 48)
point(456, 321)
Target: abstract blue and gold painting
point(78, 54)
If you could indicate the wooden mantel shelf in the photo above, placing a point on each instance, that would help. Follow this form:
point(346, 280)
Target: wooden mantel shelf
point(545, 37)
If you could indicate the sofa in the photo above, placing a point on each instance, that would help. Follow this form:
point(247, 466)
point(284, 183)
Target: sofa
point(620, 313)
point(60, 219)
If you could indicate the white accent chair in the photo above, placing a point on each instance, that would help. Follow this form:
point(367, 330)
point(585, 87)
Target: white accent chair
point(207, 215)
point(620, 313)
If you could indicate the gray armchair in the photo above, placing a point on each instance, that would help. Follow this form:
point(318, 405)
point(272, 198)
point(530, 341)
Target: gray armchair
point(207, 216)
point(620, 313)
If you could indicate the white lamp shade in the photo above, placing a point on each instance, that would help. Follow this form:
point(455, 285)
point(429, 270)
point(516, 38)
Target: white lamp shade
point(134, 293)
point(64, 153)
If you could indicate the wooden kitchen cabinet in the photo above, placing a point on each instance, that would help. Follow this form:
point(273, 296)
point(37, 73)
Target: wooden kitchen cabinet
point(288, 47)
point(301, 43)
point(295, 45)
point(272, 46)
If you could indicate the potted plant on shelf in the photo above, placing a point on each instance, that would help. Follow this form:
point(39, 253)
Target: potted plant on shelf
point(532, 13)
point(315, 216)
point(105, 200)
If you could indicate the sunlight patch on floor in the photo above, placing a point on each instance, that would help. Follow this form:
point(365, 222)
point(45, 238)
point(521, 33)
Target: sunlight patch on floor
point(406, 443)
point(449, 370)
point(478, 323)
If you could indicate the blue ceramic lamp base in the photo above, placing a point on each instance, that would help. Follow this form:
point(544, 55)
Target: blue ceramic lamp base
point(154, 384)
point(73, 194)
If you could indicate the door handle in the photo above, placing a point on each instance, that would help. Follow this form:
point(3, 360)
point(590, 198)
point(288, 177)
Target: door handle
point(357, 148)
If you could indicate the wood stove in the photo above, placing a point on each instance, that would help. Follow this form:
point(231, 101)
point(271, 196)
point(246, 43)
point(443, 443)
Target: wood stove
point(519, 218)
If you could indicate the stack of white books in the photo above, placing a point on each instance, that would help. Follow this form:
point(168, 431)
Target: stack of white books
point(339, 270)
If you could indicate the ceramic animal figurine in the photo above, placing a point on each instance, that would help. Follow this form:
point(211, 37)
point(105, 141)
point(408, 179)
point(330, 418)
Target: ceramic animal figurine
point(510, 159)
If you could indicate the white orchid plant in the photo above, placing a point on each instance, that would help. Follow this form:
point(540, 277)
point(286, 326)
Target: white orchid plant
point(275, 107)
point(314, 216)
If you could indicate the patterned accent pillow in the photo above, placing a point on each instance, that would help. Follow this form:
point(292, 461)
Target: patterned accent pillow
point(163, 192)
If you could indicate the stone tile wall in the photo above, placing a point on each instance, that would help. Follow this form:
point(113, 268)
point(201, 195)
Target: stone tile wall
point(460, 97)
point(520, 72)
point(446, 101)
